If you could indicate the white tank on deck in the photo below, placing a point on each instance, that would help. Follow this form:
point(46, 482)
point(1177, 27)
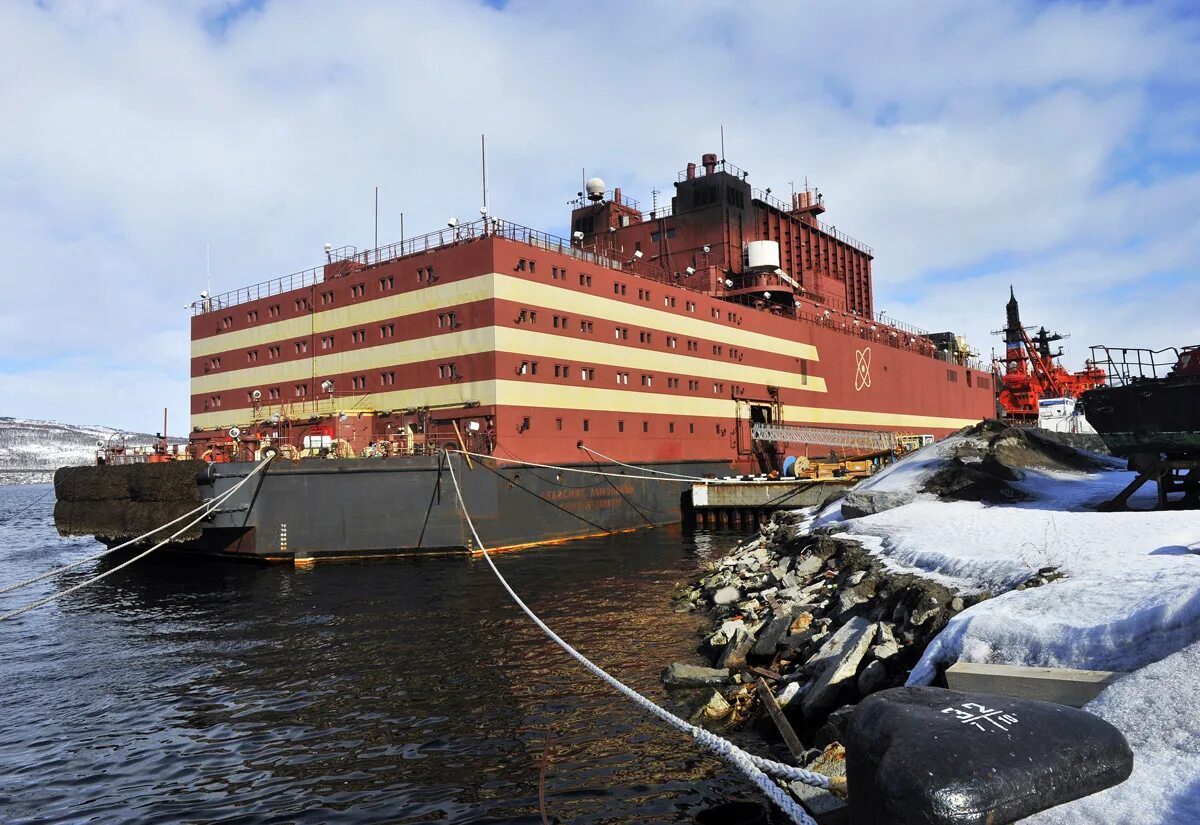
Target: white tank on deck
point(762, 255)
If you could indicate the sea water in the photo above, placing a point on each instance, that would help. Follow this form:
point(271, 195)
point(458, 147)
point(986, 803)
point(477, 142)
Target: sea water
point(411, 691)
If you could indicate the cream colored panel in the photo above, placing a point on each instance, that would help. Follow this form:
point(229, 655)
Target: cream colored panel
point(634, 313)
point(516, 340)
point(364, 312)
point(378, 357)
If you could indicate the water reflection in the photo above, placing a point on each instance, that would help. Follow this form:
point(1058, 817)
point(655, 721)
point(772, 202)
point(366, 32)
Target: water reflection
point(409, 691)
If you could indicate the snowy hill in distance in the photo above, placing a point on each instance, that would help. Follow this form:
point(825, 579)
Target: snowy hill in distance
point(31, 450)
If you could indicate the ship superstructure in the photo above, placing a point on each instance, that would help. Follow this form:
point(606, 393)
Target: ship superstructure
point(651, 336)
point(1035, 389)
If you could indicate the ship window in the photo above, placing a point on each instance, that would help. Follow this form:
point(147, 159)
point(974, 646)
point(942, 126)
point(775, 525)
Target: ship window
point(387, 283)
point(521, 265)
point(672, 342)
point(691, 426)
point(587, 425)
point(387, 378)
point(804, 372)
point(669, 300)
point(326, 298)
point(585, 280)
point(558, 424)
point(952, 376)
point(644, 337)
point(620, 426)
point(358, 290)
point(273, 352)
point(670, 426)
point(585, 326)
point(524, 423)
point(252, 316)
point(301, 390)
point(274, 393)
point(645, 426)
point(252, 356)
point(647, 380)
point(532, 266)
point(716, 313)
point(587, 373)
point(533, 367)
point(387, 331)
point(301, 346)
point(968, 374)
point(273, 310)
point(694, 386)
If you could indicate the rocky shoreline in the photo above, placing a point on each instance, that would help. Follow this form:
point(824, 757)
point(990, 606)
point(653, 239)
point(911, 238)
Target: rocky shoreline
point(819, 622)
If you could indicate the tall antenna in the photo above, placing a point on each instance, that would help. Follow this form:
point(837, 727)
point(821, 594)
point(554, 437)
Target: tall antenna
point(401, 233)
point(722, 144)
point(207, 271)
point(483, 156)
point(376, 218)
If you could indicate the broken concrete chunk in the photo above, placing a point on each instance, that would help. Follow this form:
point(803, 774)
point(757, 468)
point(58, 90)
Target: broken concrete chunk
point(717, 707)
point(679, 674)
point(859, 503)
point(885, 651)
point(838, 661)
point(734, 655)
point(789, 692)
point(807, 567)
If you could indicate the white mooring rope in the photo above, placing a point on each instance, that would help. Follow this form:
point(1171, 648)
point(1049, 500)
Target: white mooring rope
point(207, 507)
point(484, 456)
point(681, 476)
point(754, 767)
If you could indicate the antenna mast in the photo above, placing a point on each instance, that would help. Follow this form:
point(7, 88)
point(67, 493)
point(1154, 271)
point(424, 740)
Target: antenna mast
point(483, 156)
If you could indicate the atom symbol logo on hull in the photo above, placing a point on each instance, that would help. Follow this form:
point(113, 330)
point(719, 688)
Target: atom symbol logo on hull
point(862, 378)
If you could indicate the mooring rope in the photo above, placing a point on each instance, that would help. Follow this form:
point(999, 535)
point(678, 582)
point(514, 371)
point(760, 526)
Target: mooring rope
point(71, 566)
point(208, 507)
point(755, 768)
point(483, 456)
point(609, 458)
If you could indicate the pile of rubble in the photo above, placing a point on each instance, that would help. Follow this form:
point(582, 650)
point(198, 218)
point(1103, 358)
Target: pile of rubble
point(812, 622)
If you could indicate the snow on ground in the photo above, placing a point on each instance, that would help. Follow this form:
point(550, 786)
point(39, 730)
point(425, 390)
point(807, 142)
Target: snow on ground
point(1130, 602)
point(1154, 708)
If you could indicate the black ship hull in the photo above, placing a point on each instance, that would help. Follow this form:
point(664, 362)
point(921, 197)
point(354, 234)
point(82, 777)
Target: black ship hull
point(353, 508)
point(1148, 417)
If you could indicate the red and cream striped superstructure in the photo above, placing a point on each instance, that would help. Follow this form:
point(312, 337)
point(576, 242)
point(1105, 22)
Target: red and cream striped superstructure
point(649, 337)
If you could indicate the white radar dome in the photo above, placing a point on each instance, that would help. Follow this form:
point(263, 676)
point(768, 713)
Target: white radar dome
point(595, 189)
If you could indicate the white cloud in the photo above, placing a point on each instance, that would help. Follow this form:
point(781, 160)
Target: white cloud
point(985, 147)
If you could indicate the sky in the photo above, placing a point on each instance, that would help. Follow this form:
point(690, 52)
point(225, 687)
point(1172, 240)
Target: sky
point(1054, 147)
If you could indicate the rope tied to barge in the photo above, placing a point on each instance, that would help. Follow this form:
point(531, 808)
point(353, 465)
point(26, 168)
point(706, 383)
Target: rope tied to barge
point(207, 507)
point(674, 479)
point(757, 769)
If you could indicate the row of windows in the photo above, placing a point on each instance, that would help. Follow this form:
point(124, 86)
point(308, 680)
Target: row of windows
point(622, 378)
point(586, 425)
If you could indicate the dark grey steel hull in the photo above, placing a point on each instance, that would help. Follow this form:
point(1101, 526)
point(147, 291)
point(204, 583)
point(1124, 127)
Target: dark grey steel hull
point(358, 508)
